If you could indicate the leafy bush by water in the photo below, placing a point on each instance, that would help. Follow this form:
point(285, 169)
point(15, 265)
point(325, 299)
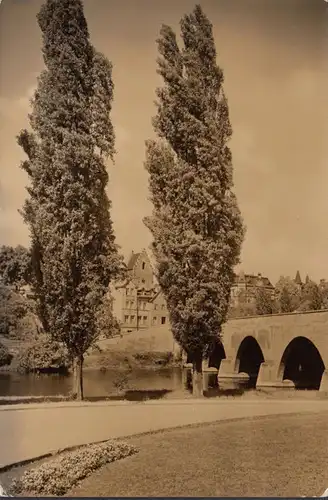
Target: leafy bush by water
point(5, 356)
point(43, 355)
point(154, 358)
point(17, 316)
point(58, 475)
point(109, 359)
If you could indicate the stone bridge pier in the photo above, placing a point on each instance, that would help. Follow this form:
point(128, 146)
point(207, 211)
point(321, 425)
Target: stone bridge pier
point(285, 350)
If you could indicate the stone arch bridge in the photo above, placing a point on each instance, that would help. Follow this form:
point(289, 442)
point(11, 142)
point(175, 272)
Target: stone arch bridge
point(283, 350)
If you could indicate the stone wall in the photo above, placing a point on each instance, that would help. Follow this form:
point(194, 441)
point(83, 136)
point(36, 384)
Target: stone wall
point(273, 335)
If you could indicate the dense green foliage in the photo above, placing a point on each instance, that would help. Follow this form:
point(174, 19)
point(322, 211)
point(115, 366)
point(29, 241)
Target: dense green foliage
point(323, 288)
point(74, 253)
point(15, 265)
point(264, 302)
point(293, 295)
point(107, 325)
point(17, 318)
point(196, 224)
point(311, 297)
point(288, 295)
point(43, 355)
point(242, 306)
point(5, 356)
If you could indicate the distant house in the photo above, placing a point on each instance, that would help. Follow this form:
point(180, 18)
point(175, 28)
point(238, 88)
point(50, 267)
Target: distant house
point(139, 302)
point(247, 284)
point(159, 309)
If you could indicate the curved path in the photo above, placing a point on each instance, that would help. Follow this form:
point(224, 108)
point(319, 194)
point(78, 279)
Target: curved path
point(33, 430)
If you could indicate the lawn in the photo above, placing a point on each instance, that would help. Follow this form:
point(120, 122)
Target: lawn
point(271, 456)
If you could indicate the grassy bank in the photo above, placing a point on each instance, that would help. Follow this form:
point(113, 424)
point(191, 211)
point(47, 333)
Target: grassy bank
point(127, 359)
point(151, 348)
point(114, 358)
point(258, 457)
point(262, 456)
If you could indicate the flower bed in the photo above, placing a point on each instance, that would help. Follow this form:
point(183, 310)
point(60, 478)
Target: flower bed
point(57, 475)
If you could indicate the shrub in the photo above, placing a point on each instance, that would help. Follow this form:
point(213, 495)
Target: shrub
point(17, 315)
point(5, 356)
point(60, 474)
point(43, 355)
point(154, 358)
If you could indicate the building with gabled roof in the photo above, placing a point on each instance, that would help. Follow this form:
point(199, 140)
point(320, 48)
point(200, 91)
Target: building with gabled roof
point(139, 302)
point(247, 284)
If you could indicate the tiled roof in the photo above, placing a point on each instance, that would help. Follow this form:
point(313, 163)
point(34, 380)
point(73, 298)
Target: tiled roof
point(133, 259)
point(253, 280)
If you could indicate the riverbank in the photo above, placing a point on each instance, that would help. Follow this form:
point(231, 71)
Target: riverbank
point(125, 359)
point(119, 353)
point(163, 394)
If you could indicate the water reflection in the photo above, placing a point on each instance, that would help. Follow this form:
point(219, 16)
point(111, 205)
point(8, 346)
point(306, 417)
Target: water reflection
point(97, 384)
point(135, 385)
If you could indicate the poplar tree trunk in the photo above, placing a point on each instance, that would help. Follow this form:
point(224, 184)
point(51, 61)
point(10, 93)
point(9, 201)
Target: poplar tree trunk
point(197, 378)
point(78, 378)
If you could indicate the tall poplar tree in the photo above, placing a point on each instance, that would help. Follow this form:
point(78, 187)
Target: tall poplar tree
point(196, 225)
point(73, 245)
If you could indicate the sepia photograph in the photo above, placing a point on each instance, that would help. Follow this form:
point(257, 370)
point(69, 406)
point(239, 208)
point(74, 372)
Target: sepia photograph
point(163, 248)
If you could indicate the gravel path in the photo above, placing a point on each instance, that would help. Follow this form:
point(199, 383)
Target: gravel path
point(29, 431)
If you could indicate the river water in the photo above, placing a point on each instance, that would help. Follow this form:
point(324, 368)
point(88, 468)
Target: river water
point(136, 384)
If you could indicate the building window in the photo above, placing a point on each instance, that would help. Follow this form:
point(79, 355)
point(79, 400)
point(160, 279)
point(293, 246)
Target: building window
point(163, 321)
point(142, 281)
point(144, 320)
point(126, 319)
point(144, 306)
point(143, 265)
point(154, 320)
point(163, 307)
point(132, 318)
point(156, 307)
point(139, 318)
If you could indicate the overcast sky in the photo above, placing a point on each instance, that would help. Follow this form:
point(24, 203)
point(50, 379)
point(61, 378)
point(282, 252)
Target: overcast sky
point(275, 57)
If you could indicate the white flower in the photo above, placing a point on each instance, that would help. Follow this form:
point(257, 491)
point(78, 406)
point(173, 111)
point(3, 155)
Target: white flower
point(3, 493)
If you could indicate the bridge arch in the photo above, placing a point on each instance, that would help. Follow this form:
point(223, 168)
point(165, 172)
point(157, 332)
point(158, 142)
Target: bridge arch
point(302, 363)
point(217, 354)
point(249, 359)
